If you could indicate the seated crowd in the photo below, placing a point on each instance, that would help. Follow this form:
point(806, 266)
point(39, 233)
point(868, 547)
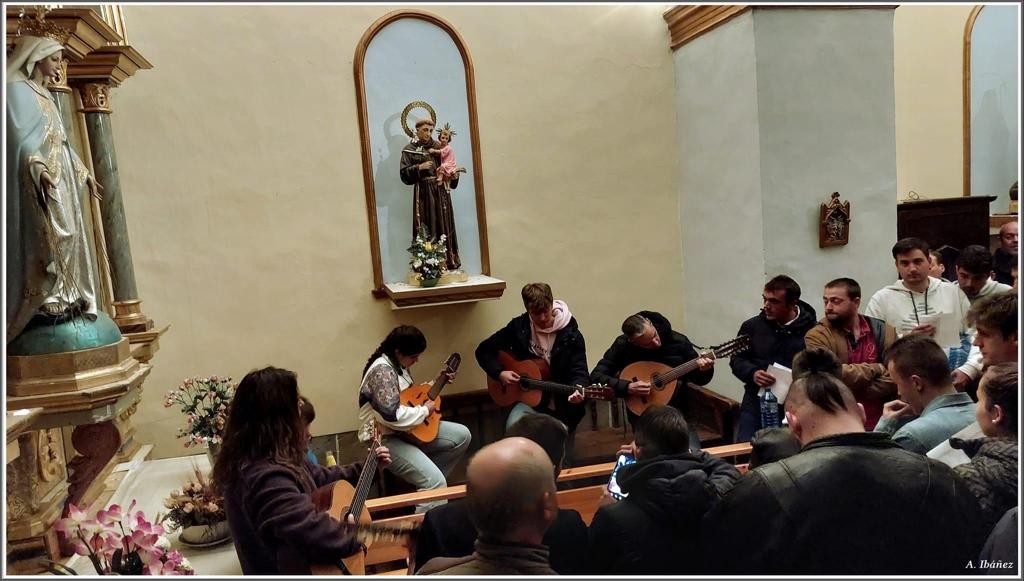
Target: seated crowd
point(897, 453)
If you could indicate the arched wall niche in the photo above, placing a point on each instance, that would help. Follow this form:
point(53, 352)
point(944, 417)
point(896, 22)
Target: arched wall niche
point(990, 92)
point(404, 57)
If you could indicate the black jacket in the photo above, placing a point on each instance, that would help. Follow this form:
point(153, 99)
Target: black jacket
point(848, 504)
point(1002, 263)
point(675, 350)
point(991, 474)
point(770, 343)
point(447, 531)
point(654, 530)
point(568, 361)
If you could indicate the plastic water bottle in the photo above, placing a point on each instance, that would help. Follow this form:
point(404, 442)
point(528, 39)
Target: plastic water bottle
point(769, 410)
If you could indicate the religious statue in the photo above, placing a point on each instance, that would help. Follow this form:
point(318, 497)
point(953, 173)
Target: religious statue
point(50, 268)
point(432, 212)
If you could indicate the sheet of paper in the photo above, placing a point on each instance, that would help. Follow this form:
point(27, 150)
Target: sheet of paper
point(783, 378)
point(945, 335)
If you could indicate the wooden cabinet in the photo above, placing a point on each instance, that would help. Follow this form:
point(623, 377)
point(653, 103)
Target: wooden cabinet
point(956, 222)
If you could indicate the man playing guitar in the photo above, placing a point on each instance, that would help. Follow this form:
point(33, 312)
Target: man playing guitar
point(547, 330)
point(648, 336)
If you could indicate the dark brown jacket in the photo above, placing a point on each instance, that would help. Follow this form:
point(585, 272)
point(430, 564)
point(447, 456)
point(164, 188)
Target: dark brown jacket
point(493, 558)
point(865, 380)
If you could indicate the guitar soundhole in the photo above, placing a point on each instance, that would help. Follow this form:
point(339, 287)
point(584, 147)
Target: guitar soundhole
point(656, 383)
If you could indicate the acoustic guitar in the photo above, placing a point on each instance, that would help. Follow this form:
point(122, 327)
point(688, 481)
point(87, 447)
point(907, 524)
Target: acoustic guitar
point(663, 378)
point(533, 382)
point(421, 393)
point(340, 499)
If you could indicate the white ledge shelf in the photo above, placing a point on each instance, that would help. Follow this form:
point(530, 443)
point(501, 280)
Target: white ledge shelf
point(479, 287)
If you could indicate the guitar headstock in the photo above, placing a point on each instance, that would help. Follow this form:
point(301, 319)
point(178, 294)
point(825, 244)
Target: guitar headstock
point(599, 391)
point(738, 345)
point(451, 365)
point(375, 435)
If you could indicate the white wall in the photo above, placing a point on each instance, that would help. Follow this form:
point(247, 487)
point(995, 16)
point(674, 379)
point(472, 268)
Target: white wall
point(827, 113)
point(720, 200)
point(777, 109)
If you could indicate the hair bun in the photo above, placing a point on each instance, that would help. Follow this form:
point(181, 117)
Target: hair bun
point(816, 360)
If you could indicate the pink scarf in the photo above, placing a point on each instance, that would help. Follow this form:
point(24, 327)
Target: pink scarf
point(542, 340)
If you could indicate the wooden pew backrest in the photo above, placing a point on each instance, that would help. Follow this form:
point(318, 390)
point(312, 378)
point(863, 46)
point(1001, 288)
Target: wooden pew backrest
point(584, 500)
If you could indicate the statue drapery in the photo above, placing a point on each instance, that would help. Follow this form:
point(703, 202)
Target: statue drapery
point(49, 251)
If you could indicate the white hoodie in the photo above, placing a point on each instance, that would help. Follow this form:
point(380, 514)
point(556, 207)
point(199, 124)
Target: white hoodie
point(990, 287)
point(902, 308)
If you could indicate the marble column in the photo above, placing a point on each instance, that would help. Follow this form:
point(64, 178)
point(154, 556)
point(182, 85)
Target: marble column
point(95, 106)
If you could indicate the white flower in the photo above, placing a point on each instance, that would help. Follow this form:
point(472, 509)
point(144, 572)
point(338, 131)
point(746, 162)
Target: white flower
point(163, 543)
point(417, 264)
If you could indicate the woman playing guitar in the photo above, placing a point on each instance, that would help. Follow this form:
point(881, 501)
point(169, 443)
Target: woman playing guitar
point(267, 482)
point(386, 375)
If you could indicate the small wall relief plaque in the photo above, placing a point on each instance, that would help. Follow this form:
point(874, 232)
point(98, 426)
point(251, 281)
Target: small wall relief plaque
point(834, 226)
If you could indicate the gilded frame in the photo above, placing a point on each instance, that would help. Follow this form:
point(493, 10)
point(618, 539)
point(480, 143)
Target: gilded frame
point(968, 30)
point(364, 136)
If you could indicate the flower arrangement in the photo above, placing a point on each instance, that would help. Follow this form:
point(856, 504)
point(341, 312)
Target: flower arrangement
point(195, 504)
point(428, 256)
point(120, 543)
point(204, 401)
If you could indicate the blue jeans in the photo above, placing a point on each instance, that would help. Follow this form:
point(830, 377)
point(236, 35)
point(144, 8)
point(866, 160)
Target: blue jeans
point(517, 412)
point(427, 466)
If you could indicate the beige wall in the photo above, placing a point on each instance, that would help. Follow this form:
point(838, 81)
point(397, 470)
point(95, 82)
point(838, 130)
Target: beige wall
point(239, 159)
point(929, 99)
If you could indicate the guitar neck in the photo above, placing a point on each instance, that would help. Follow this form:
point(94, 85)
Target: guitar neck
point(549, 386)
point(365, 480)
point(677, 372)
point(439, 383)
point(451, 365)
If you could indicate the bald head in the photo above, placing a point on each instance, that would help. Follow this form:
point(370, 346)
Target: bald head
point(1009, 237)
point(511, 490)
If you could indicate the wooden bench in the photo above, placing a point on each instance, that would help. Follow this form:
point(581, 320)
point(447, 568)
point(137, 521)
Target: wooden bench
point(582, 499)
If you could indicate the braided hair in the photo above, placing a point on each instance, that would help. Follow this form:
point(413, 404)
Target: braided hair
point(405, 339)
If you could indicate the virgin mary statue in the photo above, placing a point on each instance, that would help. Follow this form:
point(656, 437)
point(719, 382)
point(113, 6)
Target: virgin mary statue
point(50, 268)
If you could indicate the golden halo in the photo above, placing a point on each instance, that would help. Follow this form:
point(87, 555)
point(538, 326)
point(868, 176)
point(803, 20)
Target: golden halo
point(409, 108)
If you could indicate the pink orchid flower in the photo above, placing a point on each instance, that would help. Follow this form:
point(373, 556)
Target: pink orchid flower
point(111, 515)
point(71, 523)
point(80, 547)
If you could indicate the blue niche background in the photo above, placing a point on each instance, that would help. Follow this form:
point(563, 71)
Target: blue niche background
point(414, 60)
